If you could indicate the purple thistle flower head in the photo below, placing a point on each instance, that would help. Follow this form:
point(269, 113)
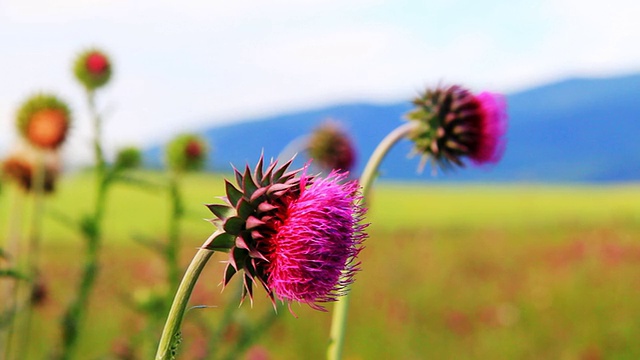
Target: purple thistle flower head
point(313, 246)
point(453, 123)
point(295, 234)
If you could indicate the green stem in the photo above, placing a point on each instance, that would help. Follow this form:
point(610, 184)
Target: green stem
point(100, 163)
point(13, 248)
point(172, 249)
point(92, 231)
point(341, 307)
point(294, 147)
point(171, 332)
point(33, 251)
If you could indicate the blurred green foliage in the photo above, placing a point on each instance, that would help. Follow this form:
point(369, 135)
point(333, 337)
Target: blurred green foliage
point(473, 272)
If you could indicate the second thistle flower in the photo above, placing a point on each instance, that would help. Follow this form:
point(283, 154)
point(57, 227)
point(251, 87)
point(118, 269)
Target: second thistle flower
point(331, 147)
point(295, 234)
point(453, 123)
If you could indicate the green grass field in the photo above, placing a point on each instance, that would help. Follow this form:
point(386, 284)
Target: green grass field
point(449, 272)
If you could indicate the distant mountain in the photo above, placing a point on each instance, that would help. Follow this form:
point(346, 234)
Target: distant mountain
point(577, 130)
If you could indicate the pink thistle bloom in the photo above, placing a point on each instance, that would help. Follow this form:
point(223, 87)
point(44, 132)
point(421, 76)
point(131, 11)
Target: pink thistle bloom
point(453, 123)
point(312, 247)
point(298, 236)
point(492, 125)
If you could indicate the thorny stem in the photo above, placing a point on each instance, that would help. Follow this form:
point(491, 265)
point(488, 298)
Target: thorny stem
point(171, 332)
point(341, 307)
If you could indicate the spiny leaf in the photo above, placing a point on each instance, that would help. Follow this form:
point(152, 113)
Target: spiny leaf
point(12, 274)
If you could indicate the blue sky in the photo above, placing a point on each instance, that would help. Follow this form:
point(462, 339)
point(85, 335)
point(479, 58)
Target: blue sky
point(183, 65)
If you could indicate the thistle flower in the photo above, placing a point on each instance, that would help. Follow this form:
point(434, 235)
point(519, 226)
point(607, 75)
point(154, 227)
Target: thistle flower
point(454, 123)
point(331, 147)
point(295, 234)
point(21, 170)
point(92, 68)
point(43, 120)
point(186, 152)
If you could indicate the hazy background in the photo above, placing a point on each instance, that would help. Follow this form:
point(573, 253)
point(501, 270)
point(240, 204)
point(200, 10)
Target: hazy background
point(183, 65)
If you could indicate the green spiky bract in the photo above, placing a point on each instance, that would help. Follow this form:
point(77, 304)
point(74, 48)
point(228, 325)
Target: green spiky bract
point(177, 156)
point(442, 133)
point(36, 103)
point(240, 222)
point(91, 81)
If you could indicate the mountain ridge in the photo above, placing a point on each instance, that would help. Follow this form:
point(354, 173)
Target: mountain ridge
point(574, 130)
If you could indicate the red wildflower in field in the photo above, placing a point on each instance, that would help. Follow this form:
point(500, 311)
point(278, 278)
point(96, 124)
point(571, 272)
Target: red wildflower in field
point(331, 147)
point(43, 120)
point(297, 235)
point(454, 123)
point(93, 69)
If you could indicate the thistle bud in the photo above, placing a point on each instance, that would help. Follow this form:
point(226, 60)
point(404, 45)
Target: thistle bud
point(128, 158)
point(43, 120)
point(454, 123)
point(92, 68)
point(331, 147)
point(186, 152)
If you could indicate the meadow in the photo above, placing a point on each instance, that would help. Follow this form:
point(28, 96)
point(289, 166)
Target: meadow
point(449, 272)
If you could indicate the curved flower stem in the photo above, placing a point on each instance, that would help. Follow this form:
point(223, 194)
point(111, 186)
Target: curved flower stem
point(293, 148)
point(341, 307)
point(171, 332)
